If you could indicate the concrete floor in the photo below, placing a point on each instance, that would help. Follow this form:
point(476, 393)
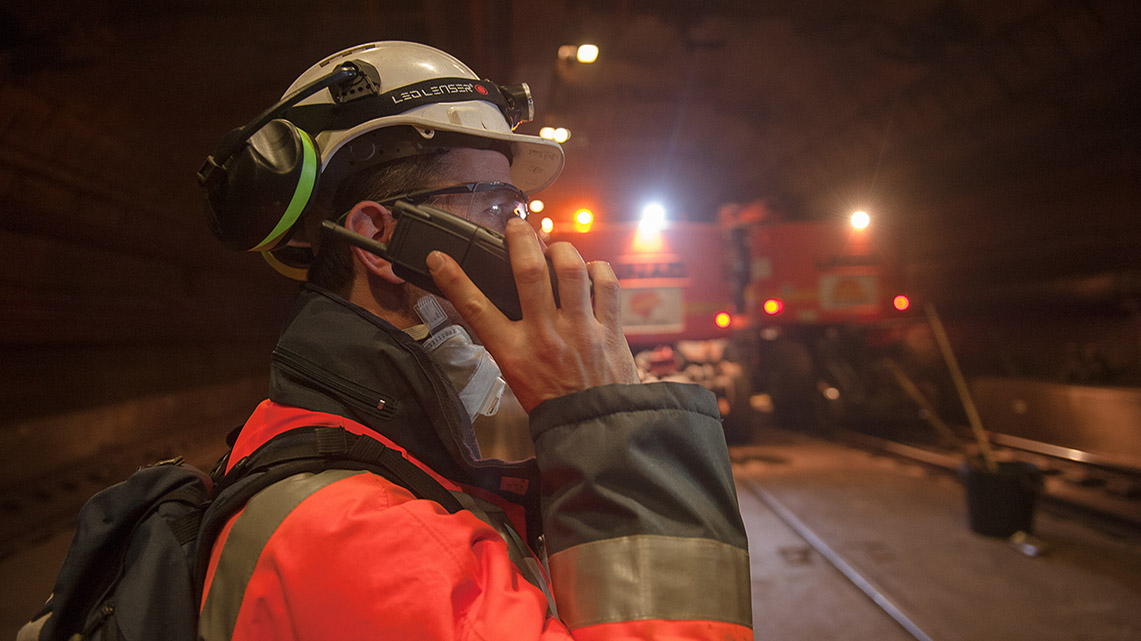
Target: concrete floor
point(840, 538)
point(899, 531)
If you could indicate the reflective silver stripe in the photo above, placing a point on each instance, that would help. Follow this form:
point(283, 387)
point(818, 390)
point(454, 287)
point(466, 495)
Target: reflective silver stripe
point(261, 518)
point(652, 577)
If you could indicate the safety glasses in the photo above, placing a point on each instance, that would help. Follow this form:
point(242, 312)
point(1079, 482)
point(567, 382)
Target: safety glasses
point(490, 204)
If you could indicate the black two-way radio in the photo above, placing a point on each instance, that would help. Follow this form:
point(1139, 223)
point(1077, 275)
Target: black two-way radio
point(422, 229)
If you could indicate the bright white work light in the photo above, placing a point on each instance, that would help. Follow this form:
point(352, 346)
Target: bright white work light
point(653, 217)
point(587, 53)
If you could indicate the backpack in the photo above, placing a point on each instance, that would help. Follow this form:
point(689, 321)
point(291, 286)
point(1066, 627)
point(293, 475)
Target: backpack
point(136, 566)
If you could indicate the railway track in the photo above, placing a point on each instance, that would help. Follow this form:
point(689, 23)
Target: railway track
point(1086, 485)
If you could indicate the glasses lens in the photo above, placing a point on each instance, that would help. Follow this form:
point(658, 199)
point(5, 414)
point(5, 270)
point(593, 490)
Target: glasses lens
point(488, 204)
point(497, 205)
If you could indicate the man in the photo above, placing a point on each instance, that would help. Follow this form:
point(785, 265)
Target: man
point(630, 493)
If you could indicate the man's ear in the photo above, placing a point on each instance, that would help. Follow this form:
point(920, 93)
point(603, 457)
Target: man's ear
point(374, 221)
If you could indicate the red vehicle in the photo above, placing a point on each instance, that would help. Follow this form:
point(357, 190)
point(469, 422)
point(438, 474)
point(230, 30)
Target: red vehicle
point(674, 284)
point(823, 303)
point(821, 273)
point(757, 310)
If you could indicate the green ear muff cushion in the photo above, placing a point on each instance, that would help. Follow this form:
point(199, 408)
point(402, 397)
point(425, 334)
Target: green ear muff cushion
point(306, 182)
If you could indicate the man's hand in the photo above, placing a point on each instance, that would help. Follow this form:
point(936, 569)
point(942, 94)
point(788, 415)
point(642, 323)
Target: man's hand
point(552, 351)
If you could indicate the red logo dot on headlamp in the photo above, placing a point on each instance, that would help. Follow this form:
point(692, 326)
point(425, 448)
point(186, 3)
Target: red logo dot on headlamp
point(481, 89)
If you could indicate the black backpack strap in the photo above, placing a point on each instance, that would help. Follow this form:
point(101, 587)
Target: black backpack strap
point(335, 448)
point(313, 450)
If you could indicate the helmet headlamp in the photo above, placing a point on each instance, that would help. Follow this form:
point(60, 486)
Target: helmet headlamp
point(520, 107)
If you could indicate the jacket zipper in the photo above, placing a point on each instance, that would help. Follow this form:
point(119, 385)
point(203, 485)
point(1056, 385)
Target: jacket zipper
point(367, 399)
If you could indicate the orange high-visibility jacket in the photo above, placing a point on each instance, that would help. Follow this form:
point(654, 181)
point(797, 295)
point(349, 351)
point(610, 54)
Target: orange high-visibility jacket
point(630, 489)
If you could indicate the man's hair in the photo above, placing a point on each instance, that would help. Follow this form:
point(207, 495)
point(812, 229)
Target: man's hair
point(333, 266)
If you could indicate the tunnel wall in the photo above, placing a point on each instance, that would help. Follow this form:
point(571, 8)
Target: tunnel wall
point(122, 320)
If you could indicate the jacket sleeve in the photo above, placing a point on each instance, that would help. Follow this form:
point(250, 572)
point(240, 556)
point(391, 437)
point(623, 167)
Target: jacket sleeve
point(640, 514)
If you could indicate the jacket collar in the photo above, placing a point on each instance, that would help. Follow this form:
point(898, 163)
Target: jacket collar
point(336, 357)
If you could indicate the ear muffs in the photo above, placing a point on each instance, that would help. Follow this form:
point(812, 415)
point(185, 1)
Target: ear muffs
point(267, 185)
point(259, 184)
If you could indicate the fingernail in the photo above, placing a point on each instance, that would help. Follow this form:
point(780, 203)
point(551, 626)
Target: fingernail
point(515, 220)
point(435, 261)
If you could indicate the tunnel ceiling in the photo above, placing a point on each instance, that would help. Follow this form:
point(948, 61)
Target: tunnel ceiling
point(987, 136)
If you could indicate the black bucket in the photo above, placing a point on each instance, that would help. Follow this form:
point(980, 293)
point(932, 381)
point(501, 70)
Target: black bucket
point(1001, 503)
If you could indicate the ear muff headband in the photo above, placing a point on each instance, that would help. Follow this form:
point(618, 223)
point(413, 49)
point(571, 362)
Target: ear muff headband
point(289, 271)
point(301, 195)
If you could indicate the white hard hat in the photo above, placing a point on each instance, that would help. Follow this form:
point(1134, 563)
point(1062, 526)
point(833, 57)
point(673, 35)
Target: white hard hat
point(353, 110)
point(444, 96)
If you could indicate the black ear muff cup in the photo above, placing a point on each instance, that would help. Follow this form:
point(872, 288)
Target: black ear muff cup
point(267, 186)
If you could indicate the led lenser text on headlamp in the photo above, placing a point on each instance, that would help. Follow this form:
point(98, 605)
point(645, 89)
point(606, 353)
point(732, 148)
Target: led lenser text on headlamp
point(437, 90)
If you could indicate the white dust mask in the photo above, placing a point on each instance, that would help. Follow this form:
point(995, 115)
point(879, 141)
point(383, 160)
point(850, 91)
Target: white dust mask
point(469, 367)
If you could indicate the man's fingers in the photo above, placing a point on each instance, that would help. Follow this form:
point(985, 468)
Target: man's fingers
point(530, 269)
point(607, 294)
point(574, 281)
point(475, 308)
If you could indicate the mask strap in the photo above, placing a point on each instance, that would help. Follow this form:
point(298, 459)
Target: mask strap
point(431, 313)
